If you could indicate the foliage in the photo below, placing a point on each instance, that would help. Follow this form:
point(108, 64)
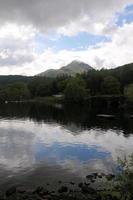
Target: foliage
point(121, 186)
point(15, 92)
point(129, 92)
point(12, 79)
point(125, 178)
point(110, 85)
point(92, 83)
point(40, 86)
point(75, 90)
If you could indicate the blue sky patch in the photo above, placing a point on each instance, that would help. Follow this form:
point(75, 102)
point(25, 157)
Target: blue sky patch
point(126, 16)
point(58, 153)
point(82, 41)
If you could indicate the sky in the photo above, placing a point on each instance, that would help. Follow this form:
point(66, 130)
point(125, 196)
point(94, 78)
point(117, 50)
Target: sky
point(36, 35)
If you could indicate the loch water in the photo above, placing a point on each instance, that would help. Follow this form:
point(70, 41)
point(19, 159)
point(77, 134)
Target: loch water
point(41, 145)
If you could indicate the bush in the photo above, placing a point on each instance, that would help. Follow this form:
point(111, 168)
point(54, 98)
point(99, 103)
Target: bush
point(75, 90)
point(129, 92)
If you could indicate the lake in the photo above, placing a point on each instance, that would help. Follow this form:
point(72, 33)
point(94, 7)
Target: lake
point(42, 145)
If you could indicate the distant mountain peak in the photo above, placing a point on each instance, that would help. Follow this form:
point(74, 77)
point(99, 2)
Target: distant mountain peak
point(76, 61)
point(71, 69)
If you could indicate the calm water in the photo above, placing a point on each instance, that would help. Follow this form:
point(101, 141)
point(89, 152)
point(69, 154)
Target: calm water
point(40, 144)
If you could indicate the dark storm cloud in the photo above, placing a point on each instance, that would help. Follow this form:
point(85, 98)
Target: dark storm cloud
point(50, 14)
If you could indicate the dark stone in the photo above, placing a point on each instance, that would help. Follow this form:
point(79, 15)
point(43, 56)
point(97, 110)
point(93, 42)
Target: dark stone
point(109, 197)
point(59, 182)
point(100, 176)
point(95, 175)
point(63, 189)
point(44, 193)
point(88, 190)
point(38, 190)
point(92, 180)
point(72, 183)
point(98, 198)
point(71, 191)
point(89, 176)
point(80, 185)
point(11, 191)
point(21, 190)
point(109, 177)
point(87, 184)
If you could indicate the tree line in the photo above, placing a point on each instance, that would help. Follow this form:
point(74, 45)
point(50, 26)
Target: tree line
point(118, 81)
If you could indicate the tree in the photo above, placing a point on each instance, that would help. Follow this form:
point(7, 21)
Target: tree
point(14, 92)
point(93, 81)
point(110, 86)
point(129, 92)
point(41, 86)
point(75, 90)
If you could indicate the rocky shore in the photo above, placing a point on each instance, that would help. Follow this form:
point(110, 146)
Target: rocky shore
point(86, 190)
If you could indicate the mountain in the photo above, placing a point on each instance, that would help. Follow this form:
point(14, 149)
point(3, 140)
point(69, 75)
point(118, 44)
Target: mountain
point(71, 69)
point(123, 68)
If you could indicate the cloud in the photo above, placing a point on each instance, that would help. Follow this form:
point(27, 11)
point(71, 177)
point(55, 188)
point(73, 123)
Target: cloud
point(24, 145)
point(114, 53)
point(61, 14)
point(22, 21)
point(19, 56)
point(16, 45)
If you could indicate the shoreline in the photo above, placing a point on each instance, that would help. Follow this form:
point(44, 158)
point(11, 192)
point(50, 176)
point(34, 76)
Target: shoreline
point(86, 190)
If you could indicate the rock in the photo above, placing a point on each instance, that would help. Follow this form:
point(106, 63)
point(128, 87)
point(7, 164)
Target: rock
point(59, 182)
point(100, 176)
point(103, 174)
point(88, 190)
point(38, 190)
point(89, 176)
point(109, 197)
point(53, 192)
point(21, 190)
point(63, 189)
point(80, 185)
point(72, 183)
point(109, 177)
point(87, 184)
point(92, 180)
point(95, 175)
point(11, 191)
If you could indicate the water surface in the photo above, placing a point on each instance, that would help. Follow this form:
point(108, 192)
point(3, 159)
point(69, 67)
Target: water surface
point(40, 144)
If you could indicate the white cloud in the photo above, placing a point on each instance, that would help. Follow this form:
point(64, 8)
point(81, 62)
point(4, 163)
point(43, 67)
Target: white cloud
point(22, 21)
point(17, 32)
point(110, 54)
point(46, 15)
point(23, 143)
point(16, 46)
point(20, 57)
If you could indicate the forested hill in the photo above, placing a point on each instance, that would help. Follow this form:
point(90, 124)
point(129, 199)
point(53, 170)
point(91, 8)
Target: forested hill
point(125, 71)
point(124, 67)
point(115, 82)
point(11, 79)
